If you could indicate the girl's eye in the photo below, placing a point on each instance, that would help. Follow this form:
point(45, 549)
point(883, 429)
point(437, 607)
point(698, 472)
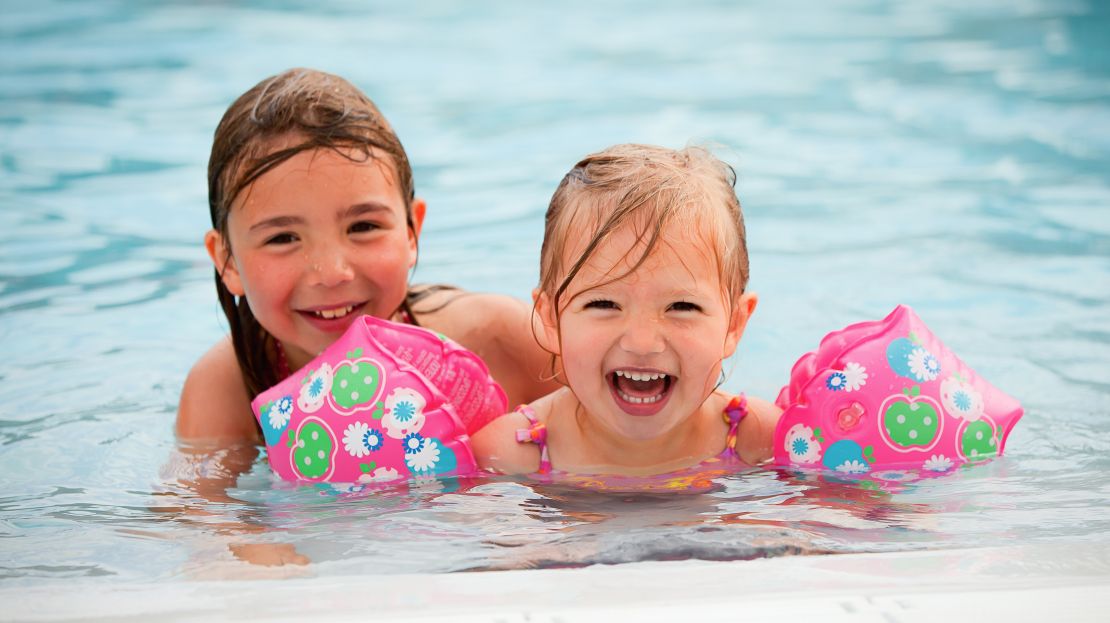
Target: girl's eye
point(282, 238)
point(363, 226)
point(601, 304)
point(685, 306)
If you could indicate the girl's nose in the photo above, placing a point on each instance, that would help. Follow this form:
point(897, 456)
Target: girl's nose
point(642, 336)
point(329, 267)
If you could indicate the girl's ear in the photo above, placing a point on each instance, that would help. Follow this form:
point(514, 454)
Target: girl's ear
point(544, 322)
point(419, 209)
point(225, 265)
point(741, 312)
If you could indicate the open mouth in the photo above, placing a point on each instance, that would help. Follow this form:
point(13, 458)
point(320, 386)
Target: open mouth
point(641, 389)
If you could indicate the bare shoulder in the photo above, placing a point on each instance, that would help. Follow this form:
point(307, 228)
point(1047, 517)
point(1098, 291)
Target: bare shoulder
point(471, 315)
point(214, 403)
point(498, 329)
point(755, 442)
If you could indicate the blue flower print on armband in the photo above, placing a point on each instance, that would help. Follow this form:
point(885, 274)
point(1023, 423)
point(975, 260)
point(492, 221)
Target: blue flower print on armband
point(404, 411)
point(800, 446)
point(372, 440)
point(962, 400)
point(413, 443)
point(803, 444)
point(836, 381)
point(282, 409)
point(315, 389)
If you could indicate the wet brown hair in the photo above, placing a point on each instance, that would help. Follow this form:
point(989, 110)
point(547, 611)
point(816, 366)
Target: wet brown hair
point(649, 188)
point(295, 111)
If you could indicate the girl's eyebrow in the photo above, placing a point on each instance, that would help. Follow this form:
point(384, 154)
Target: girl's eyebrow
point(276, 223)
point(354, 211)
point(366, 207)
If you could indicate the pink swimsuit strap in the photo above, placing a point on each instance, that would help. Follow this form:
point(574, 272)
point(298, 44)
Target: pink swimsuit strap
point(535, 433)
point(735, 411)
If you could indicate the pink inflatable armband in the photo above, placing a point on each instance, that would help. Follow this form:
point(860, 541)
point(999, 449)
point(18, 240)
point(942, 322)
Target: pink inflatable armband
point(385, 401)
point(888, 395)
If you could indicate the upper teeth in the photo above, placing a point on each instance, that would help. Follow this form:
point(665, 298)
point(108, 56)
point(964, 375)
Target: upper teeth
point(641, 376)
point(335, 313)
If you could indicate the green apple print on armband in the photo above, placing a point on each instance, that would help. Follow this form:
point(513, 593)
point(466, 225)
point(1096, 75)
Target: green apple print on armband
point(978, 442)
point(313, 449)
point(356, 382)
point(910, 421)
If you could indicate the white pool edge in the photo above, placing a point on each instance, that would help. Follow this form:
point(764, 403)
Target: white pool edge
point(1065, 582)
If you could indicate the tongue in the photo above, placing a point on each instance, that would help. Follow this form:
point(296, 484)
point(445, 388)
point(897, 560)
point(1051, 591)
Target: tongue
point(641, 389)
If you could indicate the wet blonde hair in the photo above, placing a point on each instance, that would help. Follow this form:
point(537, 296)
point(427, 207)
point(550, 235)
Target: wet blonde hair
point(649, 188)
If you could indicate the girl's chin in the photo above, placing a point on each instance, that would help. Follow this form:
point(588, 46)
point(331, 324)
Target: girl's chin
point(642, 429)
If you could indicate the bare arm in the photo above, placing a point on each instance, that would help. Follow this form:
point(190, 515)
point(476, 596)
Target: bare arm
point(214, 403)
point(219, 441)
point(496, 448)
point(195, 483)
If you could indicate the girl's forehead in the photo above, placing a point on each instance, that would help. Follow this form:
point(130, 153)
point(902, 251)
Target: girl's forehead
point(319, 175)
point(625, 256)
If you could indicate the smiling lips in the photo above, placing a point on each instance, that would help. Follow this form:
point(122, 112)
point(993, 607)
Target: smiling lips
point(331, 318)
point(332, 314)
point(640, 392)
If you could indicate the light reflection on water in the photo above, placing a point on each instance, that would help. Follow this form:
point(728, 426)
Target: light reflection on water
point(948, 155)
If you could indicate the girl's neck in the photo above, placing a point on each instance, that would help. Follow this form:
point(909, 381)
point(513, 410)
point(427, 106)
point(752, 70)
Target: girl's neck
point(583, 447)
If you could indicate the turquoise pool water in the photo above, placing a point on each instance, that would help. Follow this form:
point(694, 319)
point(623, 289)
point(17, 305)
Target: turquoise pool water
point(954, 156)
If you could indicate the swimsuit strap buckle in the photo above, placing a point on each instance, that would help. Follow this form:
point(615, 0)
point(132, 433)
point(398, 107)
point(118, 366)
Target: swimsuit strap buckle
point(736, 409)
point(536, 433)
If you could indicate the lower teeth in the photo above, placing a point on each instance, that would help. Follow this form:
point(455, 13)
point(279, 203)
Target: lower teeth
point(640, 401)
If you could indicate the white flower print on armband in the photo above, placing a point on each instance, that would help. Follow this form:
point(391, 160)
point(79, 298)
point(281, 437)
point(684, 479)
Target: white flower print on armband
point(280, 412)
point(425, 459)
point(359, 439)
point(855, 376)
point(923, 365)
point(853, 467)
point(315, 389)
point(938, 463)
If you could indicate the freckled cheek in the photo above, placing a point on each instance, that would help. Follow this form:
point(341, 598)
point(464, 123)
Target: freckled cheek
point(273, 282)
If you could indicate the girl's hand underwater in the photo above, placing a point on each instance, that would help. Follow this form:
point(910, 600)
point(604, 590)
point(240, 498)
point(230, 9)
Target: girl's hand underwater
point(268, 554)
